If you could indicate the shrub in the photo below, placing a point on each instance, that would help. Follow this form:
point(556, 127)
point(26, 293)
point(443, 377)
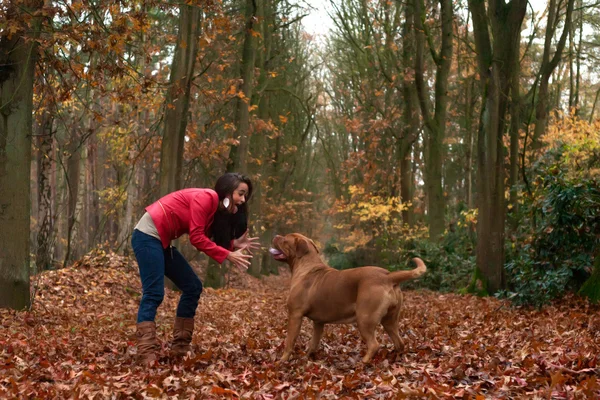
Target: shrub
point(559, 230)
point(449, 261)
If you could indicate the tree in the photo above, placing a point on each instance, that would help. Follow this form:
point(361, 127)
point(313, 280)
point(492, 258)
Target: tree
point(178, 98)
point(549, 65)
point(239, 154)
point(43, 257)
point(436, 123)
point(410, 116)
point(17, 61)
point(497, 32)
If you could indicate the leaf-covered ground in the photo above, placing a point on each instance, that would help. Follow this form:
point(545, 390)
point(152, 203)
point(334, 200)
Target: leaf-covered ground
point(78, 342)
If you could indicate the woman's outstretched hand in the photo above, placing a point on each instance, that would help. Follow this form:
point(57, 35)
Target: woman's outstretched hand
point(246, 243)
point(239, 259)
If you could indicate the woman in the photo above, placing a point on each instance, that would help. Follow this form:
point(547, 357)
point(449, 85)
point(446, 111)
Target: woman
point(203, 214)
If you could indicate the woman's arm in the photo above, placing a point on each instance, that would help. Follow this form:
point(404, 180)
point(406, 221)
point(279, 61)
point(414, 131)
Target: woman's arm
point(202, 210)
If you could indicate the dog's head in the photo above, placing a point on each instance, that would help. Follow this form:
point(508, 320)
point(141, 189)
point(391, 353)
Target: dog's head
point(292, 247)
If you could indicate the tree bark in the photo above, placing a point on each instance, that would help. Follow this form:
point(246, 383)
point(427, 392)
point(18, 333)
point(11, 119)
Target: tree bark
point(238, 158)
point(410, 116)
point(259, 144)
point(515, 124)
point(495, 60)
point(548, 67)
point(45, 219)
point(17, 62)
point(177, 101)
point(72, 181)
point(591, 287)
point(178, 98)
point(470, 105)
point(436, 123)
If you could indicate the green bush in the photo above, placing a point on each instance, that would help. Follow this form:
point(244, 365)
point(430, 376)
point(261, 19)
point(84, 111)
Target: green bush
point(559, 229)
point(450, 261)
point(336, 258)
point(449, 267)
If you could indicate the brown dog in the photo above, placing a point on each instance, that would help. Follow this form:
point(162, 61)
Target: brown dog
point(368, 296)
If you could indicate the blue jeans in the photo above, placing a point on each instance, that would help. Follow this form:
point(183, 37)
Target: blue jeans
point(155, 263)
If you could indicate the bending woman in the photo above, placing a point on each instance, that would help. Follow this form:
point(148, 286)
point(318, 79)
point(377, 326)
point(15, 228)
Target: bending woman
point(220, 214)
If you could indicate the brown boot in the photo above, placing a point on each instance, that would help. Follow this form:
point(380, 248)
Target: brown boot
point(147, 342)
point(182, 336)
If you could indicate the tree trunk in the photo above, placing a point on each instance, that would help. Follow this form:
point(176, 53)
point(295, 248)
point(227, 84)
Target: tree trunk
point(258, 143)
point(178, 98)
point(436, 124)
point(215, 275)
point(126, 221)
point(410, 116)
point(547, 68)
point(515, 123)
point(238, 158)
point(72, 180)
point(591, 287)
point(406, 184)
point(495, 61)
point(17, 62)
point(45, 219)
point(470, 105)
point(578, 57)
point(177, 101)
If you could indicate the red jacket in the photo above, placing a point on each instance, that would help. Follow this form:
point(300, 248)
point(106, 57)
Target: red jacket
point(188, 211)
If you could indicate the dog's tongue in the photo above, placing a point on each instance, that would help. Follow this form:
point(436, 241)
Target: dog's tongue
point(275, 252)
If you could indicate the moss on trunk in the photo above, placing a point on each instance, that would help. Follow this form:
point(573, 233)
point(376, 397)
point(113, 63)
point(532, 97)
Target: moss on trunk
point(478, 284)
point(591, 287)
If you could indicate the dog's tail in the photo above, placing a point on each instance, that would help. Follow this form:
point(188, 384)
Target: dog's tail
point(401, 276)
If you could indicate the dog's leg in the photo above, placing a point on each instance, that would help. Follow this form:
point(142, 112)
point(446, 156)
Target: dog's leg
point(294, 324)
point(390, 324)
point(316, 338)
point(391, 320)
point(366, 327)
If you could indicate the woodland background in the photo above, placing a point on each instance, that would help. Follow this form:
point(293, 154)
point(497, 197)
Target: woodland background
point(463, 132)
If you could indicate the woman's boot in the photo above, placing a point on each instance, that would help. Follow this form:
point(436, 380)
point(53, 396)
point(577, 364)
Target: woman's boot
point(182, 336)
point(147, 343)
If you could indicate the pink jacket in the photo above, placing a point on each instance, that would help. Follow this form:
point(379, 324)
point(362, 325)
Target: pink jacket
point(188, 211)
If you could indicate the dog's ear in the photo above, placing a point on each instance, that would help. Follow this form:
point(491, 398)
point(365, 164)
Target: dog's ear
point(314, 245)
point(302, 247)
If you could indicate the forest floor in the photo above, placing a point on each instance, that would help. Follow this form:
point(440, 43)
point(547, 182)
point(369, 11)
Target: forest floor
point(78, 341)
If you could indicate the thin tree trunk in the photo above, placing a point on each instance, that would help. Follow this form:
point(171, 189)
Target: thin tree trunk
point(72, 181)
point(238, 158)
point(515, 123)
point(44, 199)
point(547, 68)
point(578, 58)
point(436, 124)
point(259, 143)
point(470, 105)
point(410, 115)
point(126, 220)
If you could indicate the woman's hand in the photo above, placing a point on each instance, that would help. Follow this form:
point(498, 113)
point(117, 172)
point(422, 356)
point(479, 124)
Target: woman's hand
point(246, 243)
point(239, 259)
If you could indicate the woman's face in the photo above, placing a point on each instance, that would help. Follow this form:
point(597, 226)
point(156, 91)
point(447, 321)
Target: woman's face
point(239, 197)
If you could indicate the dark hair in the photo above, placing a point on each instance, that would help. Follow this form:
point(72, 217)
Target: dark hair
point(226, 226)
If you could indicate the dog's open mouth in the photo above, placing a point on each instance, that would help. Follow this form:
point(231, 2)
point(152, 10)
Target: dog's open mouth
point(277, 254)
